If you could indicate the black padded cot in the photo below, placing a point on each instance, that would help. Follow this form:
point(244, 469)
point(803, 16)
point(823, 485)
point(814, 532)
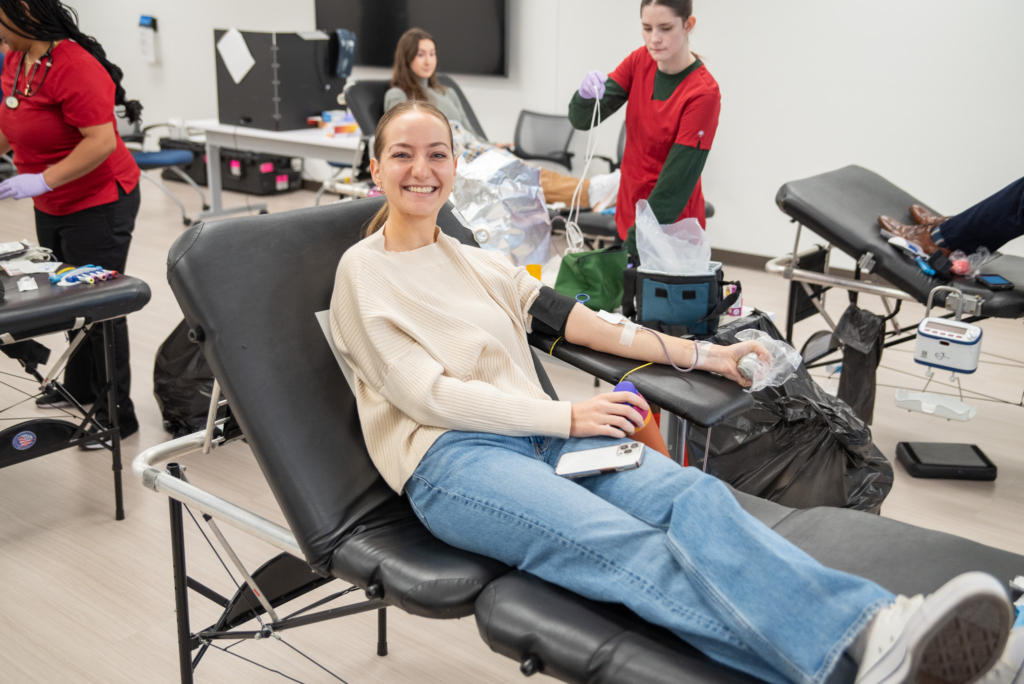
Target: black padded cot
point(250, 288)
point(843, 207)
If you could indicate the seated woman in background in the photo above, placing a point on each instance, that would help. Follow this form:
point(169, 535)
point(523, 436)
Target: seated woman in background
point(415, 78)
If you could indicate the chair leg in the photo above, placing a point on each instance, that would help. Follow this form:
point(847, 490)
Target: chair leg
point(180, 584)
point(382, 631)
point(184, 216)
point(195, 186)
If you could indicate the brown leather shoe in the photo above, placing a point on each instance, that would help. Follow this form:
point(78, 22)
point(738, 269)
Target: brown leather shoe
point(925, 217)
point(919, 235)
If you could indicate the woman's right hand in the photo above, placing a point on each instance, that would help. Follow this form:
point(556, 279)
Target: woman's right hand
point(593, 85)
point(611, 415)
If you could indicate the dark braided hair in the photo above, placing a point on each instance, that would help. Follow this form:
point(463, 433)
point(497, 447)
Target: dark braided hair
point(53, 20)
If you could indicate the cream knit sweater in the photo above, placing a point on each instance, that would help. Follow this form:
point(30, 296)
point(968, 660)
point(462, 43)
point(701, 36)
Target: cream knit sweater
point(437, 339)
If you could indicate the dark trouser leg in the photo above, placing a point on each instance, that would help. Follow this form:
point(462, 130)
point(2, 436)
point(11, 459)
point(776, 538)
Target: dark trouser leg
point(101, 236)
point(990, 223)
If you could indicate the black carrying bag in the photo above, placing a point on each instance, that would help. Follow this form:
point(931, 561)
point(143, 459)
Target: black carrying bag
point(182, 383)
point(676, 304)
point(798, 446)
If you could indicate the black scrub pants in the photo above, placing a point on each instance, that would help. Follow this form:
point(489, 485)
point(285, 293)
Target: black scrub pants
point(100, 236)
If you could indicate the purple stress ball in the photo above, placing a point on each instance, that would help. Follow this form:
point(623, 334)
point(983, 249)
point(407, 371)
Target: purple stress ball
point(627, 386)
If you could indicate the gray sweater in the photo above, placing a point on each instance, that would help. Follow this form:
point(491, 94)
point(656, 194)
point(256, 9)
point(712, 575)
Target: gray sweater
point(448, 102)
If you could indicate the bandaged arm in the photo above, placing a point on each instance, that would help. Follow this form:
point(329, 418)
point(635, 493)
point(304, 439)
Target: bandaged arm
point(585, 328)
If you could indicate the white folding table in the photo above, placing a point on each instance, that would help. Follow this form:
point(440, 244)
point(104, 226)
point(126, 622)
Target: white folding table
point(307, 143)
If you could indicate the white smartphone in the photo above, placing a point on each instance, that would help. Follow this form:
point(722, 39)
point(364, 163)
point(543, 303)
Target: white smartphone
point(610, 459)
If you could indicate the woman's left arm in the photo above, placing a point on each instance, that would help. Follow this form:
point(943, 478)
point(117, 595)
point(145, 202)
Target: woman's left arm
point(586, 329)
point(98, 143)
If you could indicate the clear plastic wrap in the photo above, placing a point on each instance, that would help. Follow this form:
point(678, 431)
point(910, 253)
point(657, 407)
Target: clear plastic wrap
point(969, 265)
point(785, 361)
point(682, 248)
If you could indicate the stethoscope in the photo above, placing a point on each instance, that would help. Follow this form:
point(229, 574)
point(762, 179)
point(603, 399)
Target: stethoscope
point(12, 101)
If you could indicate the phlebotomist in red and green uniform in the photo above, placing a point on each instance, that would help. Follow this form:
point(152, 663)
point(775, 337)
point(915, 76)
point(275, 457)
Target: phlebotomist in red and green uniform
point(670, 122)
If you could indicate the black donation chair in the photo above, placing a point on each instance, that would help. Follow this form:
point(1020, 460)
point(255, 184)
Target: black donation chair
point(289, 398)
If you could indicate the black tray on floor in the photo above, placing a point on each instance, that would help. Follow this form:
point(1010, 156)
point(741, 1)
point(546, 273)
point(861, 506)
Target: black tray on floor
point(945, 461)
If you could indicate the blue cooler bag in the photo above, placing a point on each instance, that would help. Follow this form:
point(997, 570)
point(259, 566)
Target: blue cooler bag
point(677, 304)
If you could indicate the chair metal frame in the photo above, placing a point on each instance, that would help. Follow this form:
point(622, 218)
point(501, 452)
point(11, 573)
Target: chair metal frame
point(182, 494)
point(864, 281)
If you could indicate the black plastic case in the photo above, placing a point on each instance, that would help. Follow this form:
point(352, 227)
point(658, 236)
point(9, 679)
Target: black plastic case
point(252, 173)
point(945, 461)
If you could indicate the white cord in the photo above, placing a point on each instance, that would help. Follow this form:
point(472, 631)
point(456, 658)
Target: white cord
point(573, 234)
point(36, 253)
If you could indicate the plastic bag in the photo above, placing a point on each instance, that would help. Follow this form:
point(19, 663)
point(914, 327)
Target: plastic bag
point(785, 361)
point(182, 383)
point(797, 446)
point(969, 265)
point(682, 248)
point(502, 201)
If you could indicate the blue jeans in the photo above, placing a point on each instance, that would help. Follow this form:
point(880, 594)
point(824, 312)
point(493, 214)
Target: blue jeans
point(990, 223)
point(670, 543)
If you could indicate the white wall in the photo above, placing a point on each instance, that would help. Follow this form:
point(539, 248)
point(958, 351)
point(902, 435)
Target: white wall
point(925, 92)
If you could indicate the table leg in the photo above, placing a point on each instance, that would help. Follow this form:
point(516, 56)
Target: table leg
point(213, 175)
point(115, 439)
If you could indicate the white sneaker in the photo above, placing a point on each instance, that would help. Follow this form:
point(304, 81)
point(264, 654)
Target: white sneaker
point(954, 636)
point(1010, 667)
point(603, 191)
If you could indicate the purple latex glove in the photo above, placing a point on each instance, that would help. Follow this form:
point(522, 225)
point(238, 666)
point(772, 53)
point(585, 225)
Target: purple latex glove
point(24, 185)
point(593, 85)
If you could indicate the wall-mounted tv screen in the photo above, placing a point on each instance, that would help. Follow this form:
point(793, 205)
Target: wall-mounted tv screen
point(471, 35)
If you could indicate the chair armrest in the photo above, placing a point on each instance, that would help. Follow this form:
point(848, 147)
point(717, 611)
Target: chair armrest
point(701, 398)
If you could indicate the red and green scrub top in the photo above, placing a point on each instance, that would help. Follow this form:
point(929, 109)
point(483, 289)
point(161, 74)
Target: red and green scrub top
point(670, 126)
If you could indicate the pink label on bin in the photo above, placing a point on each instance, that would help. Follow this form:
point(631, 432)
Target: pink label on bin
point(282, 182)
point(267, 167)
point(236, 167)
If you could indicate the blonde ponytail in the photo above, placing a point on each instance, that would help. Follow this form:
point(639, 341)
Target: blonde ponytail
point(378, 220)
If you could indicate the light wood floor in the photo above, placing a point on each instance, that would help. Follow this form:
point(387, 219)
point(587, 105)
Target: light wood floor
point(86, 599)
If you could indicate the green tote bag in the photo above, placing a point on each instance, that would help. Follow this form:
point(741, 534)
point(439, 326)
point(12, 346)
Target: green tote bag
point(597, 274)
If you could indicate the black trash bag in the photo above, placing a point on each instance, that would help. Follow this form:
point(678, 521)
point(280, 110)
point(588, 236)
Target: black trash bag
point(863, 336)
point(797, 446)
point(182, 383)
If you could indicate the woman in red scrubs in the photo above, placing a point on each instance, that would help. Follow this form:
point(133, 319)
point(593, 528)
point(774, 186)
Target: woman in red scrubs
point(670, 122)
point(58, 117)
